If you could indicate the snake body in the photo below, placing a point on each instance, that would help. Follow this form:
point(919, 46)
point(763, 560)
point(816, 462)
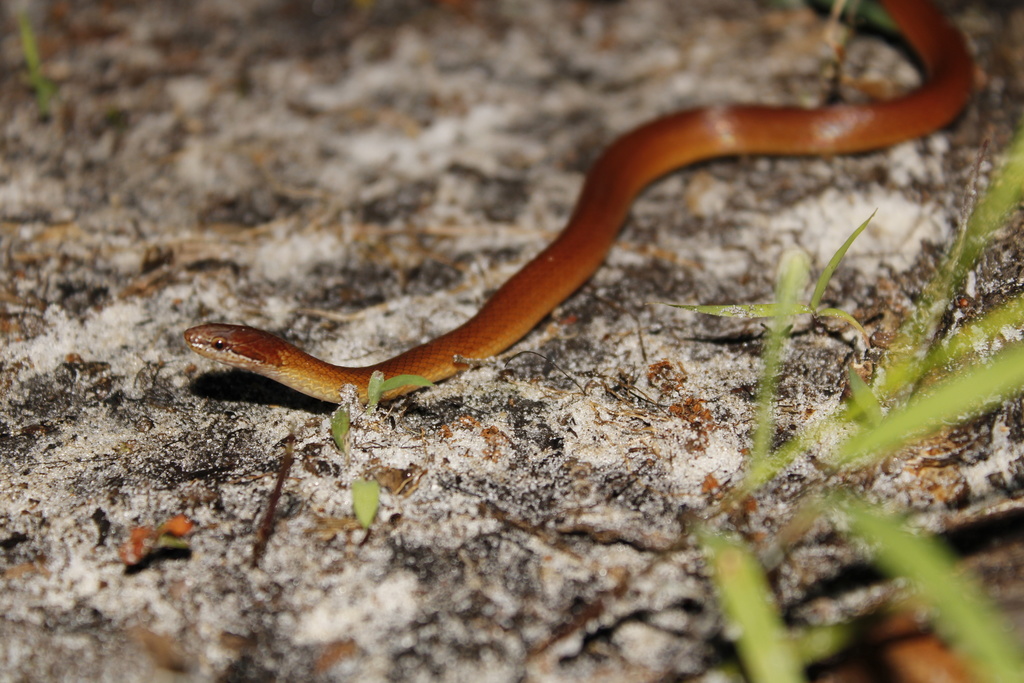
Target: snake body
point(626, 167)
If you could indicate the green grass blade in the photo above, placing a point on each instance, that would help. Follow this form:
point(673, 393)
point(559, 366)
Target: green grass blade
point(865, 406)
point(341, 432)
point(826, 275)
point(44, 88)
point(1002, 197)
point(912, 356)
point(967, 394)
point(742, 310)
point(763, 471)
point(816, 643)
point(767, 653)
point(793, 274)
point(965, 615)
point(339, 429)
point(29, 47)
point(983, 333)
point(840, 314)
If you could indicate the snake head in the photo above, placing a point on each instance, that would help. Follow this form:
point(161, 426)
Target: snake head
point(237, 345)
point(248, 348)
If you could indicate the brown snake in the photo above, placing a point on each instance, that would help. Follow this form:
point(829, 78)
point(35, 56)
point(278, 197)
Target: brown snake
point(631, 163)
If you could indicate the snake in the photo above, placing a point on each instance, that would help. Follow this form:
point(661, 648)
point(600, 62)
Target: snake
point(625, 168)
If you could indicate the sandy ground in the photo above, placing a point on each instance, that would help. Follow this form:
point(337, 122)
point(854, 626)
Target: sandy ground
point(358, 181)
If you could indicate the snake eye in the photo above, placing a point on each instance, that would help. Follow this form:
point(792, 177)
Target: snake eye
point(220, 343)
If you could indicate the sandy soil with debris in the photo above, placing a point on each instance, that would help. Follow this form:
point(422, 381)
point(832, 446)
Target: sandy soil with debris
point(358, 181)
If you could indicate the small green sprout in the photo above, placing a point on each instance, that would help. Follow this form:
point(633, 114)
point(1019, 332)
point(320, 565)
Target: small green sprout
point(44, 88)
point(365, 500)
point(340, 426)
point(774, 310)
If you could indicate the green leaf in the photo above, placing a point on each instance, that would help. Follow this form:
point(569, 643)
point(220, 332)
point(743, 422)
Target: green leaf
point(378, 387)
point(365, 501)
point(826, 275)
point(399, 381)
point(767, 653)
point(171, 541)
point(966, 617)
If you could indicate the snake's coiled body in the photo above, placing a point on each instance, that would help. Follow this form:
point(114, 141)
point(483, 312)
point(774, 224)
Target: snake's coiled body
point(631, 163)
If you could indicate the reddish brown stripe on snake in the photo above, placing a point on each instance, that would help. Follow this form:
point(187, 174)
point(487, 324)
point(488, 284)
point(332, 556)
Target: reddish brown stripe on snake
point(630, 164)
